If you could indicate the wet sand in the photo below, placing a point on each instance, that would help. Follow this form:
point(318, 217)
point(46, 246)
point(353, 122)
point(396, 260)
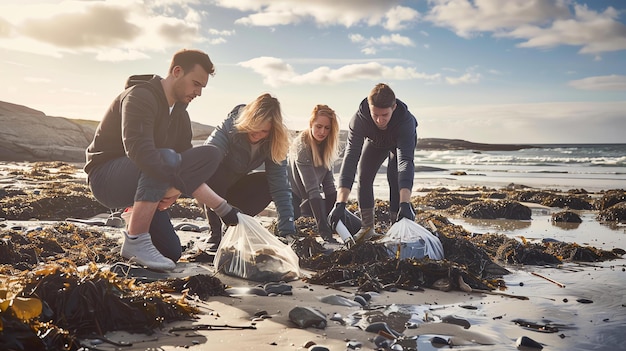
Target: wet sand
point(584, 302)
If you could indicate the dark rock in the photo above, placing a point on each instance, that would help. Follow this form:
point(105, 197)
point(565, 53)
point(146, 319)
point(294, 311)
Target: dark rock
point(31, 135)
point(497, 209)
point(305, 317)
point(615, 213)
point(610, 198)
point(524, 342)
point(277, 288)
point(566, 216)
point(456, 321)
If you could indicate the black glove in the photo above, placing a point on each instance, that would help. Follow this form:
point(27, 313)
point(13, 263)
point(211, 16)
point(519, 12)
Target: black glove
point(231, 218)
point(319, 211)
point(337, 214)
point(406, 211)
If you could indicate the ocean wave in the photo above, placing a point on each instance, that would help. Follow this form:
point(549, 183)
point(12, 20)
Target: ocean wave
point(455, 157)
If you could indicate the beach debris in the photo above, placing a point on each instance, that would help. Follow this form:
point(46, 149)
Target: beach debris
point(248, 250)
point(560, 285)
point(305, 317)
point(197, 327)
point(408, 239)
point(524, 342)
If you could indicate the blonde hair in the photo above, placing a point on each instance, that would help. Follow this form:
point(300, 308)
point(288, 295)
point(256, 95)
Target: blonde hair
point(266, 108)
point(326, 152)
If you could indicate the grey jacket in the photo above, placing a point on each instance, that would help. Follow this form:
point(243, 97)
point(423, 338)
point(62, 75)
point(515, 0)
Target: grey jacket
point(136, 125)
point(237, 161)
point(307, 180)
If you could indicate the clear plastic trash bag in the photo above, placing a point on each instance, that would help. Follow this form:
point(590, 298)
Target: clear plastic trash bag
point(248, 250)
point(408, 239)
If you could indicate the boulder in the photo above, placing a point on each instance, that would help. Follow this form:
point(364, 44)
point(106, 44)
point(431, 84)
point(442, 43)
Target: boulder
point(31, 135)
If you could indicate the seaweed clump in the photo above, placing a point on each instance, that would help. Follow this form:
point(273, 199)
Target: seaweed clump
point(55, 305)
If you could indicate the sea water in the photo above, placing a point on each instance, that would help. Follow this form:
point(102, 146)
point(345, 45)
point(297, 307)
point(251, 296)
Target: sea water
point(592, 167)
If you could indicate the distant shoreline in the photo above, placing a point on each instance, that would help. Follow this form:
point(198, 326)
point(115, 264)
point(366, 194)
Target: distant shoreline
point(459, 144)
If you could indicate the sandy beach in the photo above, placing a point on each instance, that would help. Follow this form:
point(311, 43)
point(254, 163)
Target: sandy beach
point(570, 306)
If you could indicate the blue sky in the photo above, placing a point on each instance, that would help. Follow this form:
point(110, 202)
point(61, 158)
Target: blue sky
point(494, 71)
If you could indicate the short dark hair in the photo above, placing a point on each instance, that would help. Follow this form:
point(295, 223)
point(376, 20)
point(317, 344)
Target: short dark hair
point(382, 96)
point(187, 59)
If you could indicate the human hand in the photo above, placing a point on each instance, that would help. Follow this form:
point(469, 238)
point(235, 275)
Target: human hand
point(231, 218)
point(406, 211)
point(337, 214)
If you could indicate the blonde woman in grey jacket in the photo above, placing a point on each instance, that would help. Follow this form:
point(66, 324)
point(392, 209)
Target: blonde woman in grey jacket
point(311, 158)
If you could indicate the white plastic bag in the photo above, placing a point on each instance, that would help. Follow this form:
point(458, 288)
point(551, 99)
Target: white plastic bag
point(411, 240)
point(248, 250)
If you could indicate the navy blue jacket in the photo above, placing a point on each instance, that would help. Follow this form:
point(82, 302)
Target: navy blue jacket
point(401, 133)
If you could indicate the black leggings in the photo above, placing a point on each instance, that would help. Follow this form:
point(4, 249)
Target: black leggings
point(250, 194)
point(115, 184)
point(369, 164)
point(302, 208)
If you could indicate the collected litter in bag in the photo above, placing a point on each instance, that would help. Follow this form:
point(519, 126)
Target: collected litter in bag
point(408, 239)
point(348, 229)
point(248, 250)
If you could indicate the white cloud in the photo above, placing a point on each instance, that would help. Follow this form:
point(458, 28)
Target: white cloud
point(467, 78)
point(371, 46)
point(594, 32)
point(400, 17)
point(276, 72)
point(612, 82)
point(542, 23)
point(468, 18)
point(113, 30)
point(347, 13)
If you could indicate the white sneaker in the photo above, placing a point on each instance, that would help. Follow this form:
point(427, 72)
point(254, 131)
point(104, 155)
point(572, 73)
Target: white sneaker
point(141, 250)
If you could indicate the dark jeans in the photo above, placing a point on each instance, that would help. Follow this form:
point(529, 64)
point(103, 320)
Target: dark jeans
point(118, 183)
point(250, 194)
point(369, 164)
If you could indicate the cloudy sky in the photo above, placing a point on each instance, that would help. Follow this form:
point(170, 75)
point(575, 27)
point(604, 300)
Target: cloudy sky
point(514, 71)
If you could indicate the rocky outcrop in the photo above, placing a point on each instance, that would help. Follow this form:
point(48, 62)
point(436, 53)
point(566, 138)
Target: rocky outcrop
point(458, 144)
point(30, 135)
